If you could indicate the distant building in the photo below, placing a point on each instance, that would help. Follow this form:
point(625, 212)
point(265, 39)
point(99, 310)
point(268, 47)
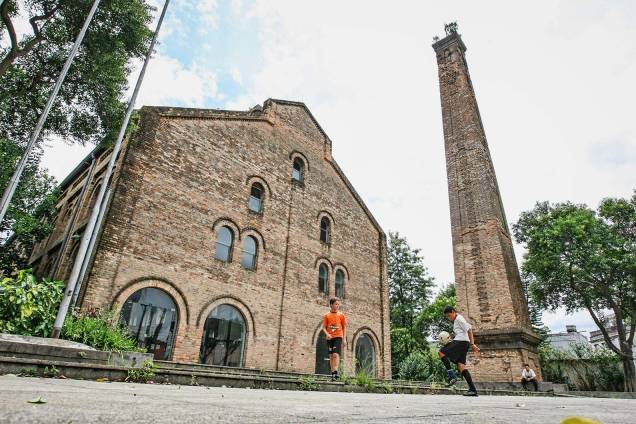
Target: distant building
point(564, 341)
point(598, 341)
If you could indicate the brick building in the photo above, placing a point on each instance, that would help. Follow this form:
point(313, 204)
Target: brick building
point(224, 236)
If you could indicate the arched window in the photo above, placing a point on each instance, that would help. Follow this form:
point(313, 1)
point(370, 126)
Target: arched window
point(223, 337)
point(150, 316)
point(224, 240)
point(299, 170)
point(365, 355)
point(340, 283)
point(325, 230)
point(323, 279)
point(255, 203)
point(250, 249)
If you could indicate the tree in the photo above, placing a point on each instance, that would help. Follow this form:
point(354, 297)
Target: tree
point(31, 214)
point(410, 288)
point(584, 259)
point(431, 321)
point(88, 107)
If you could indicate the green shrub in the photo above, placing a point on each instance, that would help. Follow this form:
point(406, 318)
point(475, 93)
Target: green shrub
point(99, 330)
point(364, 379)
point(144, 374)
point(28, 307)
point(307, 383)
point(414, 367)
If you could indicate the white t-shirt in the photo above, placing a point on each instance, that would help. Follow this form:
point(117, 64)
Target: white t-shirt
point(460, 328)
point(528, 375)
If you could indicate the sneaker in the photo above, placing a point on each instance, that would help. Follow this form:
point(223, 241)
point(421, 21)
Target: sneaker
point(452, 378)
point(470, 393)
point(336, 375)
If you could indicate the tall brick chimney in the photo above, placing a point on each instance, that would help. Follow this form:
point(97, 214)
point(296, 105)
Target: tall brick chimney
point(489, 290)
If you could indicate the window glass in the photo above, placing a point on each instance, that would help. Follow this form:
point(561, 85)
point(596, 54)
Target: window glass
point(297, 172)
point(224, 244)
point(323, 279)
point(325, 230)
point(223, 337)
point(248, 260)
point(340, 281)
point(150, 316)
point(365, 355)
point(256, 198)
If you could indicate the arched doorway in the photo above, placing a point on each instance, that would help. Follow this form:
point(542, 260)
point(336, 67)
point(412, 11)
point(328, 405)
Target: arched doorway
point(365, 355)
point(150, 316)
point(322, 355)
point(223, 341)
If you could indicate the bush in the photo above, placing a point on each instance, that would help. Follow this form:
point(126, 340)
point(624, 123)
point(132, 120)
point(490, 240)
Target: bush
point(29, 307)
point(582, 368)
point(422, 366)
point(144, 374)
point(99, 330)
point(414, 367)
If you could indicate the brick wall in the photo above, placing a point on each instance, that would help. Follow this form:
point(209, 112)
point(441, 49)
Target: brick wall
point(186, 173)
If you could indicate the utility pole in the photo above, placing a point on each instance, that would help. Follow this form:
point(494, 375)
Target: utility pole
point(100, 203)
point(15, 179)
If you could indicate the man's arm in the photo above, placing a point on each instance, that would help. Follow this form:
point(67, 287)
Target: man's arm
point(325, 323)
point(472, 340)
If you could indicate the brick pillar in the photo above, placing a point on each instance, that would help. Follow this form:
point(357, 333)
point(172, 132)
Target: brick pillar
point(489, 290)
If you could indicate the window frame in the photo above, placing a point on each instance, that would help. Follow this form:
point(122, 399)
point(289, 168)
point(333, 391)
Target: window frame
point(342, 288)
point(229, 247)
point(326, 231)
point(301, 171)
point(260, 199)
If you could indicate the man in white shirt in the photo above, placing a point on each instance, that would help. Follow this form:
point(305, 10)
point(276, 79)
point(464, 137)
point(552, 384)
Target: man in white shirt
point(528, 374)
point(455, 351)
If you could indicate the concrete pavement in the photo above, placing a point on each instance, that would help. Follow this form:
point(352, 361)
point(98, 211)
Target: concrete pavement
point(76, 401)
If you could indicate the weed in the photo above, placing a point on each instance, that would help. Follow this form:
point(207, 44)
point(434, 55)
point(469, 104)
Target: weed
point(308, 383)
point(387, 387)
point(193, 380)
point(28, 372)
point(143, 374)
point(51, 372)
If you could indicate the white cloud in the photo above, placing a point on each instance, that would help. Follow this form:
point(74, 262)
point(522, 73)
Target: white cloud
point(169, 82)
point(208, 13)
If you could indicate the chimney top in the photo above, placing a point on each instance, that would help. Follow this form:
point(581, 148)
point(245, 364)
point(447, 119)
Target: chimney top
point(570, 328)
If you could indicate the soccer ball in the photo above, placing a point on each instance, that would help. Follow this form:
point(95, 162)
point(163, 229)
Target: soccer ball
point(444, 337)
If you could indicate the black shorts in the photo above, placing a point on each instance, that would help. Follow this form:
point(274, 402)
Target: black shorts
point(456, 351)
point(335, 345)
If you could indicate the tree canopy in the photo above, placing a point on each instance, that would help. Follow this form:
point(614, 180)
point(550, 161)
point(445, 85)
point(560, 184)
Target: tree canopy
point(579, 258)
point(89, 106)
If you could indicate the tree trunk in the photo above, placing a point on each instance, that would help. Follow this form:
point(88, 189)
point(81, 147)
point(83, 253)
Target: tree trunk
point(629, 371)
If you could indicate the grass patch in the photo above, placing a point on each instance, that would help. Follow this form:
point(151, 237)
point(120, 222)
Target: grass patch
point(144, 374)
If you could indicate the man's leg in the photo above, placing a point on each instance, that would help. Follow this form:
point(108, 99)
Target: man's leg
point(452, 377)
point(469, 379)
point(535, 384)
point(524, 383)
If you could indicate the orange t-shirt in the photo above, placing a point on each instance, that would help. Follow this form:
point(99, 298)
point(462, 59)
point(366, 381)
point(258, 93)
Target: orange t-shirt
point(335, 323)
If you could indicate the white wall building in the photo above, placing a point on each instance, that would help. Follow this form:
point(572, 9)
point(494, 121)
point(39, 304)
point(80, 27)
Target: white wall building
point(564, 341)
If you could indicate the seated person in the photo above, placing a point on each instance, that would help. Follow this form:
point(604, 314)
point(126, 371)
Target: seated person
point(529, 375)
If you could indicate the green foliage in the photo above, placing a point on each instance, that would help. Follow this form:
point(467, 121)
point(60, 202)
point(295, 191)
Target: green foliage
point(387, 387)
point(51, 372)
point(410, 288)
point(89, 106)
point(584, 259)
point(194, 381)
point(582, 367)
point(28, 372)
point(144, 374)
point(32, 212)
point(431, 321)
point(100, 330)
point(307, 383)
point(365, 379)
point(422, 366)
point(28, 307)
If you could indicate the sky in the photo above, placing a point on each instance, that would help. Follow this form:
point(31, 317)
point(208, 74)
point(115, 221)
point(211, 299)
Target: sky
point(554, 82)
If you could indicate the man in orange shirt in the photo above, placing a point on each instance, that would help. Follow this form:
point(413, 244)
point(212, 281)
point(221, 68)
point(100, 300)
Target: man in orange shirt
point(334, 324)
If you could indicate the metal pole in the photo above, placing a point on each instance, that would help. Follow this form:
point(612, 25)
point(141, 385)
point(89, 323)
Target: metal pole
point(89, 250)
point(15, 179)
point(99, 204)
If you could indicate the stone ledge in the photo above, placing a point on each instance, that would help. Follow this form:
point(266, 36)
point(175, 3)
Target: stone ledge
point(26, 347)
